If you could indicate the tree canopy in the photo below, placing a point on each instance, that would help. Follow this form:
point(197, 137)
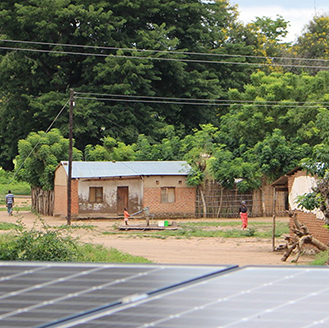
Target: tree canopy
point(39, 155)
point(98, 47)
point(161, 80)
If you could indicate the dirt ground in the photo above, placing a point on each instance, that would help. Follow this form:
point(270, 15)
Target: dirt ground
point(238, 251)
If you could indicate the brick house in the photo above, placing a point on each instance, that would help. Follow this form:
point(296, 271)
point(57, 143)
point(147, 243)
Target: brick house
point(298, 182)
point(103, 189)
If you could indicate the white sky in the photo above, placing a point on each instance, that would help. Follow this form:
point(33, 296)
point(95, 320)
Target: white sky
point(297, 12)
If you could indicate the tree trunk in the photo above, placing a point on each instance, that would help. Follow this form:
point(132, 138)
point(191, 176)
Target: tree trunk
point(302, 236)
point(220, 201)
point(42, 201)
point(204, 205)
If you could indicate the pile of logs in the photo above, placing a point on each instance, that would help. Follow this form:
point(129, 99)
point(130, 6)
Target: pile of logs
point(301, 237)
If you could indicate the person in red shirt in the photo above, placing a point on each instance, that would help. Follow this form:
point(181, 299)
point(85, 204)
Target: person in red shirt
point(126, 215)
point(243, 212)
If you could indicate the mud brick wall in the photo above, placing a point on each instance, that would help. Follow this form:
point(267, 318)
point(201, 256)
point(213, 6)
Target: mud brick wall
point(60, 208)
point(315, 225)
point(184, 205)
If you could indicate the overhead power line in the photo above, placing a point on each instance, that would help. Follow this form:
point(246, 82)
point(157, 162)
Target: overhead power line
point(259, 64)
point(164, 51)
point(207, 103)
point(217, 101)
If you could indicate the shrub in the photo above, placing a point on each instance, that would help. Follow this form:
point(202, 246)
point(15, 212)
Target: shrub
point(48, 244)
point(37, 245)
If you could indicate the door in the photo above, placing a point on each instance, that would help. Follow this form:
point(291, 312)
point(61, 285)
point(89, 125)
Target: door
point(122, 199)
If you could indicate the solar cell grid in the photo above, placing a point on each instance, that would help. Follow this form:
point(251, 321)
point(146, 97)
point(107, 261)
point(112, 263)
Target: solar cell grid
point(268, 297)
point(34, 295)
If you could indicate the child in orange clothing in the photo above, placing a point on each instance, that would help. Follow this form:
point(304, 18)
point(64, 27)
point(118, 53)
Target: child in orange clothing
point(126, 215)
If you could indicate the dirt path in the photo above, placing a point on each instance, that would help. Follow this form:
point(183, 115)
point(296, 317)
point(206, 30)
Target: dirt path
point(239, 251)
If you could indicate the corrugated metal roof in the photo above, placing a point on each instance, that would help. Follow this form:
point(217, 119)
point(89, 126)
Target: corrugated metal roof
point(126, 169)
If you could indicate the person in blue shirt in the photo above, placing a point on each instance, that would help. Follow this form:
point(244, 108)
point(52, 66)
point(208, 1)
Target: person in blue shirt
point(10, 202)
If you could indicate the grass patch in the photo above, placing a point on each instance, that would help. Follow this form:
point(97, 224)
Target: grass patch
point(99, 253)
point(320, 259)
point(17, 208)
point(48, 244)
point(88, 227)
point(7, 226)
point(208, 230)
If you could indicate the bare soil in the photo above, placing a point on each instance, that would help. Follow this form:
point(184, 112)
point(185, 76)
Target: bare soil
point(235, 251)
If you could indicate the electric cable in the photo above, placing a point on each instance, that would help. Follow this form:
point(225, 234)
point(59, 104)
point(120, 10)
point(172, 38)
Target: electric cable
point(162, 59)
point(217, 101)
point(198, 103)
point(162, 51)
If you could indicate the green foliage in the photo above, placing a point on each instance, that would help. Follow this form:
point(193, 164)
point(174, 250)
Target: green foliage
point(110, 151)
point(309, 201)
point(49, 244)
point(8, 181)
point(267, 35)
point(7, 226)
point(226, 169)
point(195, 177)
point(37, 245)
point(320, 259)
point(99, 253)
point(276, 156)
point(39, 155)
point(313, 43)
point(34, 85)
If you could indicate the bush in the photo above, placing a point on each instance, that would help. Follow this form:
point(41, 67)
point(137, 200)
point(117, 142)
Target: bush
point(37, 245)
point(56, 245)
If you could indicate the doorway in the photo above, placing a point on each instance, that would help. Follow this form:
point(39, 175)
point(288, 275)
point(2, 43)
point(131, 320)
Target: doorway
point(122, 199)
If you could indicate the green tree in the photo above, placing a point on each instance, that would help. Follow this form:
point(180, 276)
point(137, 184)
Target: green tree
point(231, 171)
point(289, 102)
point(267, 35)
point(34, 85)
point(276, 156)
point(198, 148)
point(39, 155)
point(110, 151)
point(314, 42)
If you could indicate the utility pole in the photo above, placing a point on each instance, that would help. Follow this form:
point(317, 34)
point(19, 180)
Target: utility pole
point(69, 176)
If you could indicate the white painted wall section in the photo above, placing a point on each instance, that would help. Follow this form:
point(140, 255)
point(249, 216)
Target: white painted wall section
point(303, 185)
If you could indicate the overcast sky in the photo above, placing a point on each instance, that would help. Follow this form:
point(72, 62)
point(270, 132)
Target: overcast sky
point(298, 12)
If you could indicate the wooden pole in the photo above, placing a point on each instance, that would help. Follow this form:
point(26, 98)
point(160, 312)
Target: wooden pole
point(69, 176)
point(274, 216)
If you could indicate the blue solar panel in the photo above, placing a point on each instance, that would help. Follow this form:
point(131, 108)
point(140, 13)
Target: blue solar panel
point(42, 294)
point(248, 297)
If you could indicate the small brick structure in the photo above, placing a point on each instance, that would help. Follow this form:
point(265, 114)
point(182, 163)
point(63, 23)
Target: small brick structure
point(314, 225)
point(299, 182)
point(160, 186)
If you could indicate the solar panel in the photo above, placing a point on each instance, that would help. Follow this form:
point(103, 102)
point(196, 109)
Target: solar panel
point(43, 294)
point(247, 297)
